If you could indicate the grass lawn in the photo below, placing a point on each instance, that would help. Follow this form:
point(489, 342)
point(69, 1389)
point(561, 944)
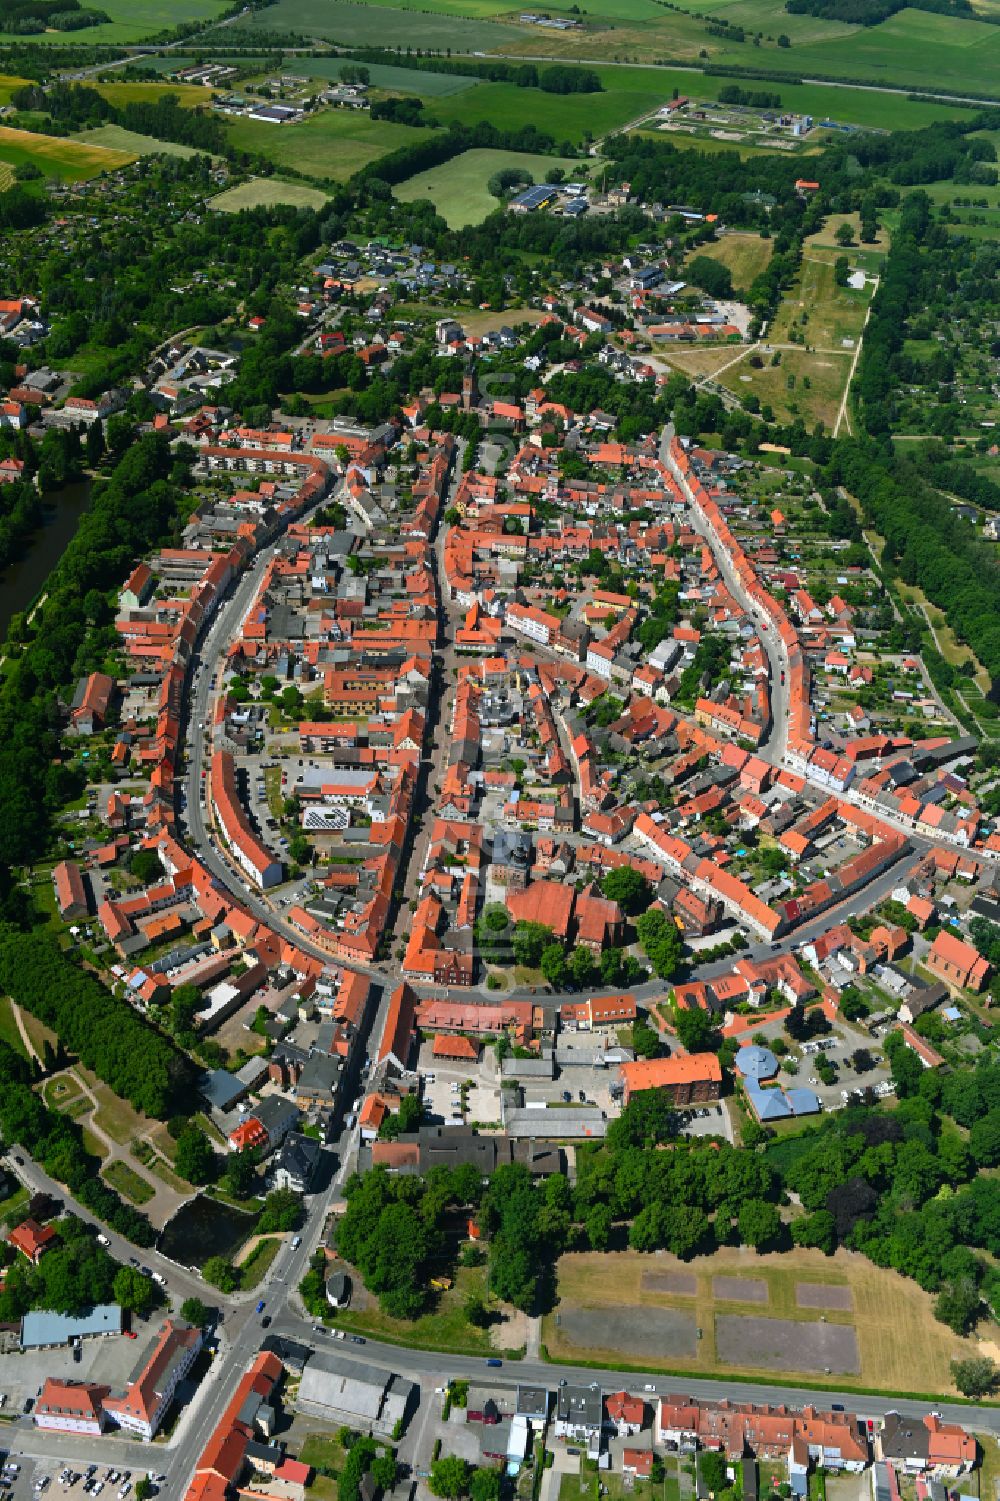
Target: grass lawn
point(746, 255)
point(784, 386)
point(331, 145)
point(117, 138)
point(9, 1032)
point(191, 95)
point(824, 313)
point(445, 1329)
point(265, 191)
point(8, 83)
point(128, 1182)
point(902, 1346)
point(253, 1268)
point(826, 238)
point(458, 188)
point(67, 160)
point(136, 20)
point(13, 1205)
point(323, 1449)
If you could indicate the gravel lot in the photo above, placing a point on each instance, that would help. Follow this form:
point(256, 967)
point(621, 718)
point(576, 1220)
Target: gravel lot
point(784, 1345)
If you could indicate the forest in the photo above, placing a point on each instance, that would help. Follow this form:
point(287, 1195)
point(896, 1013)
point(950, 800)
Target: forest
point(872, 12)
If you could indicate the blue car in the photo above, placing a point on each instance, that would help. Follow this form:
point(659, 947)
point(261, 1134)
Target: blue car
point(260, 1306)
point(494, 1362)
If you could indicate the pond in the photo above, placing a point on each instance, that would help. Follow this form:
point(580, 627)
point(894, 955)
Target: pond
point(204, 1227)
point(24, 579)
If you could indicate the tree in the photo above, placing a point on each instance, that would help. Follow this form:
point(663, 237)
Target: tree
point(958, 1304)
point(220, 1273)
point(528, 941)
point(844, 235)
point(759, 1224)
point(449, 1477)
point(485, 1485)
point(975, 1377)
point(553, 965)
point(694, 1030)
point(143, 1488)
point(240, 1176)
point(145, 866)
point(583, 967)
point(133, 1292)
point(194, 1311)
point(195, 1159)
point(661, 939)
point(629, 888)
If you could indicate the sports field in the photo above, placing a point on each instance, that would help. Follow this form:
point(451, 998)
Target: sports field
point(330, 146)
point(67, 160)
point(117, 138)
point(878, 1320)
point(458, 188)
point(135, 20)
point(262, 192)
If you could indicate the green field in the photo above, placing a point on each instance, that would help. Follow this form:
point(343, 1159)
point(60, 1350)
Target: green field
point(632, 92)
point(8, 83)
point(368, 26)
point(135, 20)
point(264, 192)
point(117, 138)
point(629, 93)
point(67, 160)
point(330, 146)
point(395, 80)
point(912, 48)
point(191, 95)
point(458, 189)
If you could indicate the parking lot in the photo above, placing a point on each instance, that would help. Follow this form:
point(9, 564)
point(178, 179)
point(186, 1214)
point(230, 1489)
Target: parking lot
point(443, 1080)
point(108, 1361)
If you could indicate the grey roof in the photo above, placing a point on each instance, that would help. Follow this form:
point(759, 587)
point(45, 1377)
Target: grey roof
point(580, 1404)
point(42, 1327)
point(556, 1124)
point(221, 1089)
point(755, 1062)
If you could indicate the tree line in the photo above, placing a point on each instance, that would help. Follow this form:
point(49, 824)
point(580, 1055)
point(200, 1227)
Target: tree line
point(105, 1033)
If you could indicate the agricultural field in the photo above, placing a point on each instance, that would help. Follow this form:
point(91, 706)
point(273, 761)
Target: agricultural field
point(263, 192)
point(565, 117)
point(458, 188)
point(912, 48)
point(746, 256)
point(65, 160)
point(876, 1320)
point(190, 95)
point(393, 80)
point(135, 20)
point(330, 146)
point(117, 138)
point(354, 24)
